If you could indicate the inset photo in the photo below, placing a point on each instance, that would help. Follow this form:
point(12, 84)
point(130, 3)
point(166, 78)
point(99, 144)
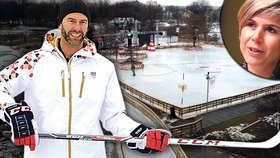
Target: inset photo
point(251, 33)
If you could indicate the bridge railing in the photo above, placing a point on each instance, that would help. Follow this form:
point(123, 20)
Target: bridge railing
point(181, 112)
point(154, 119)
point(185, 130)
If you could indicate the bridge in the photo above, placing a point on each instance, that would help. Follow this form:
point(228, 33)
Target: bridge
point(190, 114)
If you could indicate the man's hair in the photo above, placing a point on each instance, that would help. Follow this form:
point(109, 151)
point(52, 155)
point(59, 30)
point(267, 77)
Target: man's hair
point(73, 6)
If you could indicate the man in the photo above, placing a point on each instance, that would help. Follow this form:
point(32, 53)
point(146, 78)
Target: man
point(70, 89)
point(133, 69)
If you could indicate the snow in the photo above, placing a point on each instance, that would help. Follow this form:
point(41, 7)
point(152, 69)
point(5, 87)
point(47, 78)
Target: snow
point(274, 118)
point(163, 71)
point(234, 133)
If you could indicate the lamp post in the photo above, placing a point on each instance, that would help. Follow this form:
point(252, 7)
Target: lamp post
point(116, 44)
point(157, 32)
point(129, 43)
point(195, 30)
point(207, 96)
point(208, 78)
point(178, 31)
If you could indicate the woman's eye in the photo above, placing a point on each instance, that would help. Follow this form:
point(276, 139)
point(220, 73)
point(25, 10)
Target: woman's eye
point(271, 29)
point(251, 24)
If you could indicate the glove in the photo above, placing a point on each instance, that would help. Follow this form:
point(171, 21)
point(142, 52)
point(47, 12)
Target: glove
point(23, 125)
point(154, 140)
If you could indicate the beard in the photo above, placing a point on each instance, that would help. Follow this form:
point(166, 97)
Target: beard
point(68, 39)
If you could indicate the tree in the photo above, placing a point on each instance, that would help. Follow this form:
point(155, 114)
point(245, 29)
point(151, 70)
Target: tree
point(100, 11)
point(152, 12)
point(10, 12)
point(199, 19)
point(175, 12)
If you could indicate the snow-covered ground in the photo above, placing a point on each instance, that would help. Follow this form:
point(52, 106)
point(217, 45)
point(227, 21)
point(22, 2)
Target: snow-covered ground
point(164, 70)
point(236, 132)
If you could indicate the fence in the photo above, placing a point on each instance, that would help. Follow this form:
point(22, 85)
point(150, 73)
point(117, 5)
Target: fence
point(182, 112)
point(155, 120)
point(186, 130)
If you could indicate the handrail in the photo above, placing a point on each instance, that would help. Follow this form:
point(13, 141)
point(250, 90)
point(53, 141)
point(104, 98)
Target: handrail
point(154, 118)
point(181, 112)
point(188, 129)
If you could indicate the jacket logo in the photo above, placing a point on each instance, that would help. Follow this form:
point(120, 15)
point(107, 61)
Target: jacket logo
point(93, 74)
point(18, 109)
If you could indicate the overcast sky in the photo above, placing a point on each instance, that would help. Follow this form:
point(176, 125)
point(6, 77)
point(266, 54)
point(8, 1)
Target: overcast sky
point(162, 2)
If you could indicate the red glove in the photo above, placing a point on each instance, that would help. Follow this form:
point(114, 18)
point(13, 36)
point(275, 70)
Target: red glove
point(23, 125)
point(154, 140)
point(157, 139)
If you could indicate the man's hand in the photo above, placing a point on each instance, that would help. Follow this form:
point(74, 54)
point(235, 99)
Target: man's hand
point(154, 140)
point(23, 125)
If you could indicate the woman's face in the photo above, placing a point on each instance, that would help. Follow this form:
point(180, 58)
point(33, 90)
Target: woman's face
point(260, 41)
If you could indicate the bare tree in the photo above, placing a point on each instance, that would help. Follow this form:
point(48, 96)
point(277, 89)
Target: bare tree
point(175, 11)
point(199, 18)
point(10, 12)
point(152, 12)
point(102, 11)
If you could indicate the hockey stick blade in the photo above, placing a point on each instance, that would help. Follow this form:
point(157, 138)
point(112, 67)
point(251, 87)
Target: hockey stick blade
point(270, 143)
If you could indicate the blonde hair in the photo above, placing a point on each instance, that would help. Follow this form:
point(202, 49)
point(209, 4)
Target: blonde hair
point(253, 7)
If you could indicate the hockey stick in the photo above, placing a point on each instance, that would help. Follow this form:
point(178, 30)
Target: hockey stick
point(272, 142)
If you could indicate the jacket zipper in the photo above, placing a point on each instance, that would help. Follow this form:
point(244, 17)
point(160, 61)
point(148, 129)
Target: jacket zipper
point(70, 108)
point(63, 83)
point(82, 84)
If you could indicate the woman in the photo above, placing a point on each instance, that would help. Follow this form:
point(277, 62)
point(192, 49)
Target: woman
point(259, 34)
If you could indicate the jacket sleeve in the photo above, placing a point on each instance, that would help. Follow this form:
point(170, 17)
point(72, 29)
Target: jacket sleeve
point(14, 79)
point(113, 115)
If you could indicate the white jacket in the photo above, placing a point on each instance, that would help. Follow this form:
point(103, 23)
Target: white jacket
point(68, 98)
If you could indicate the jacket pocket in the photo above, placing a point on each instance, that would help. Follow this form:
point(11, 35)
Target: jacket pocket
point(82, 84)
point(63, 83)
